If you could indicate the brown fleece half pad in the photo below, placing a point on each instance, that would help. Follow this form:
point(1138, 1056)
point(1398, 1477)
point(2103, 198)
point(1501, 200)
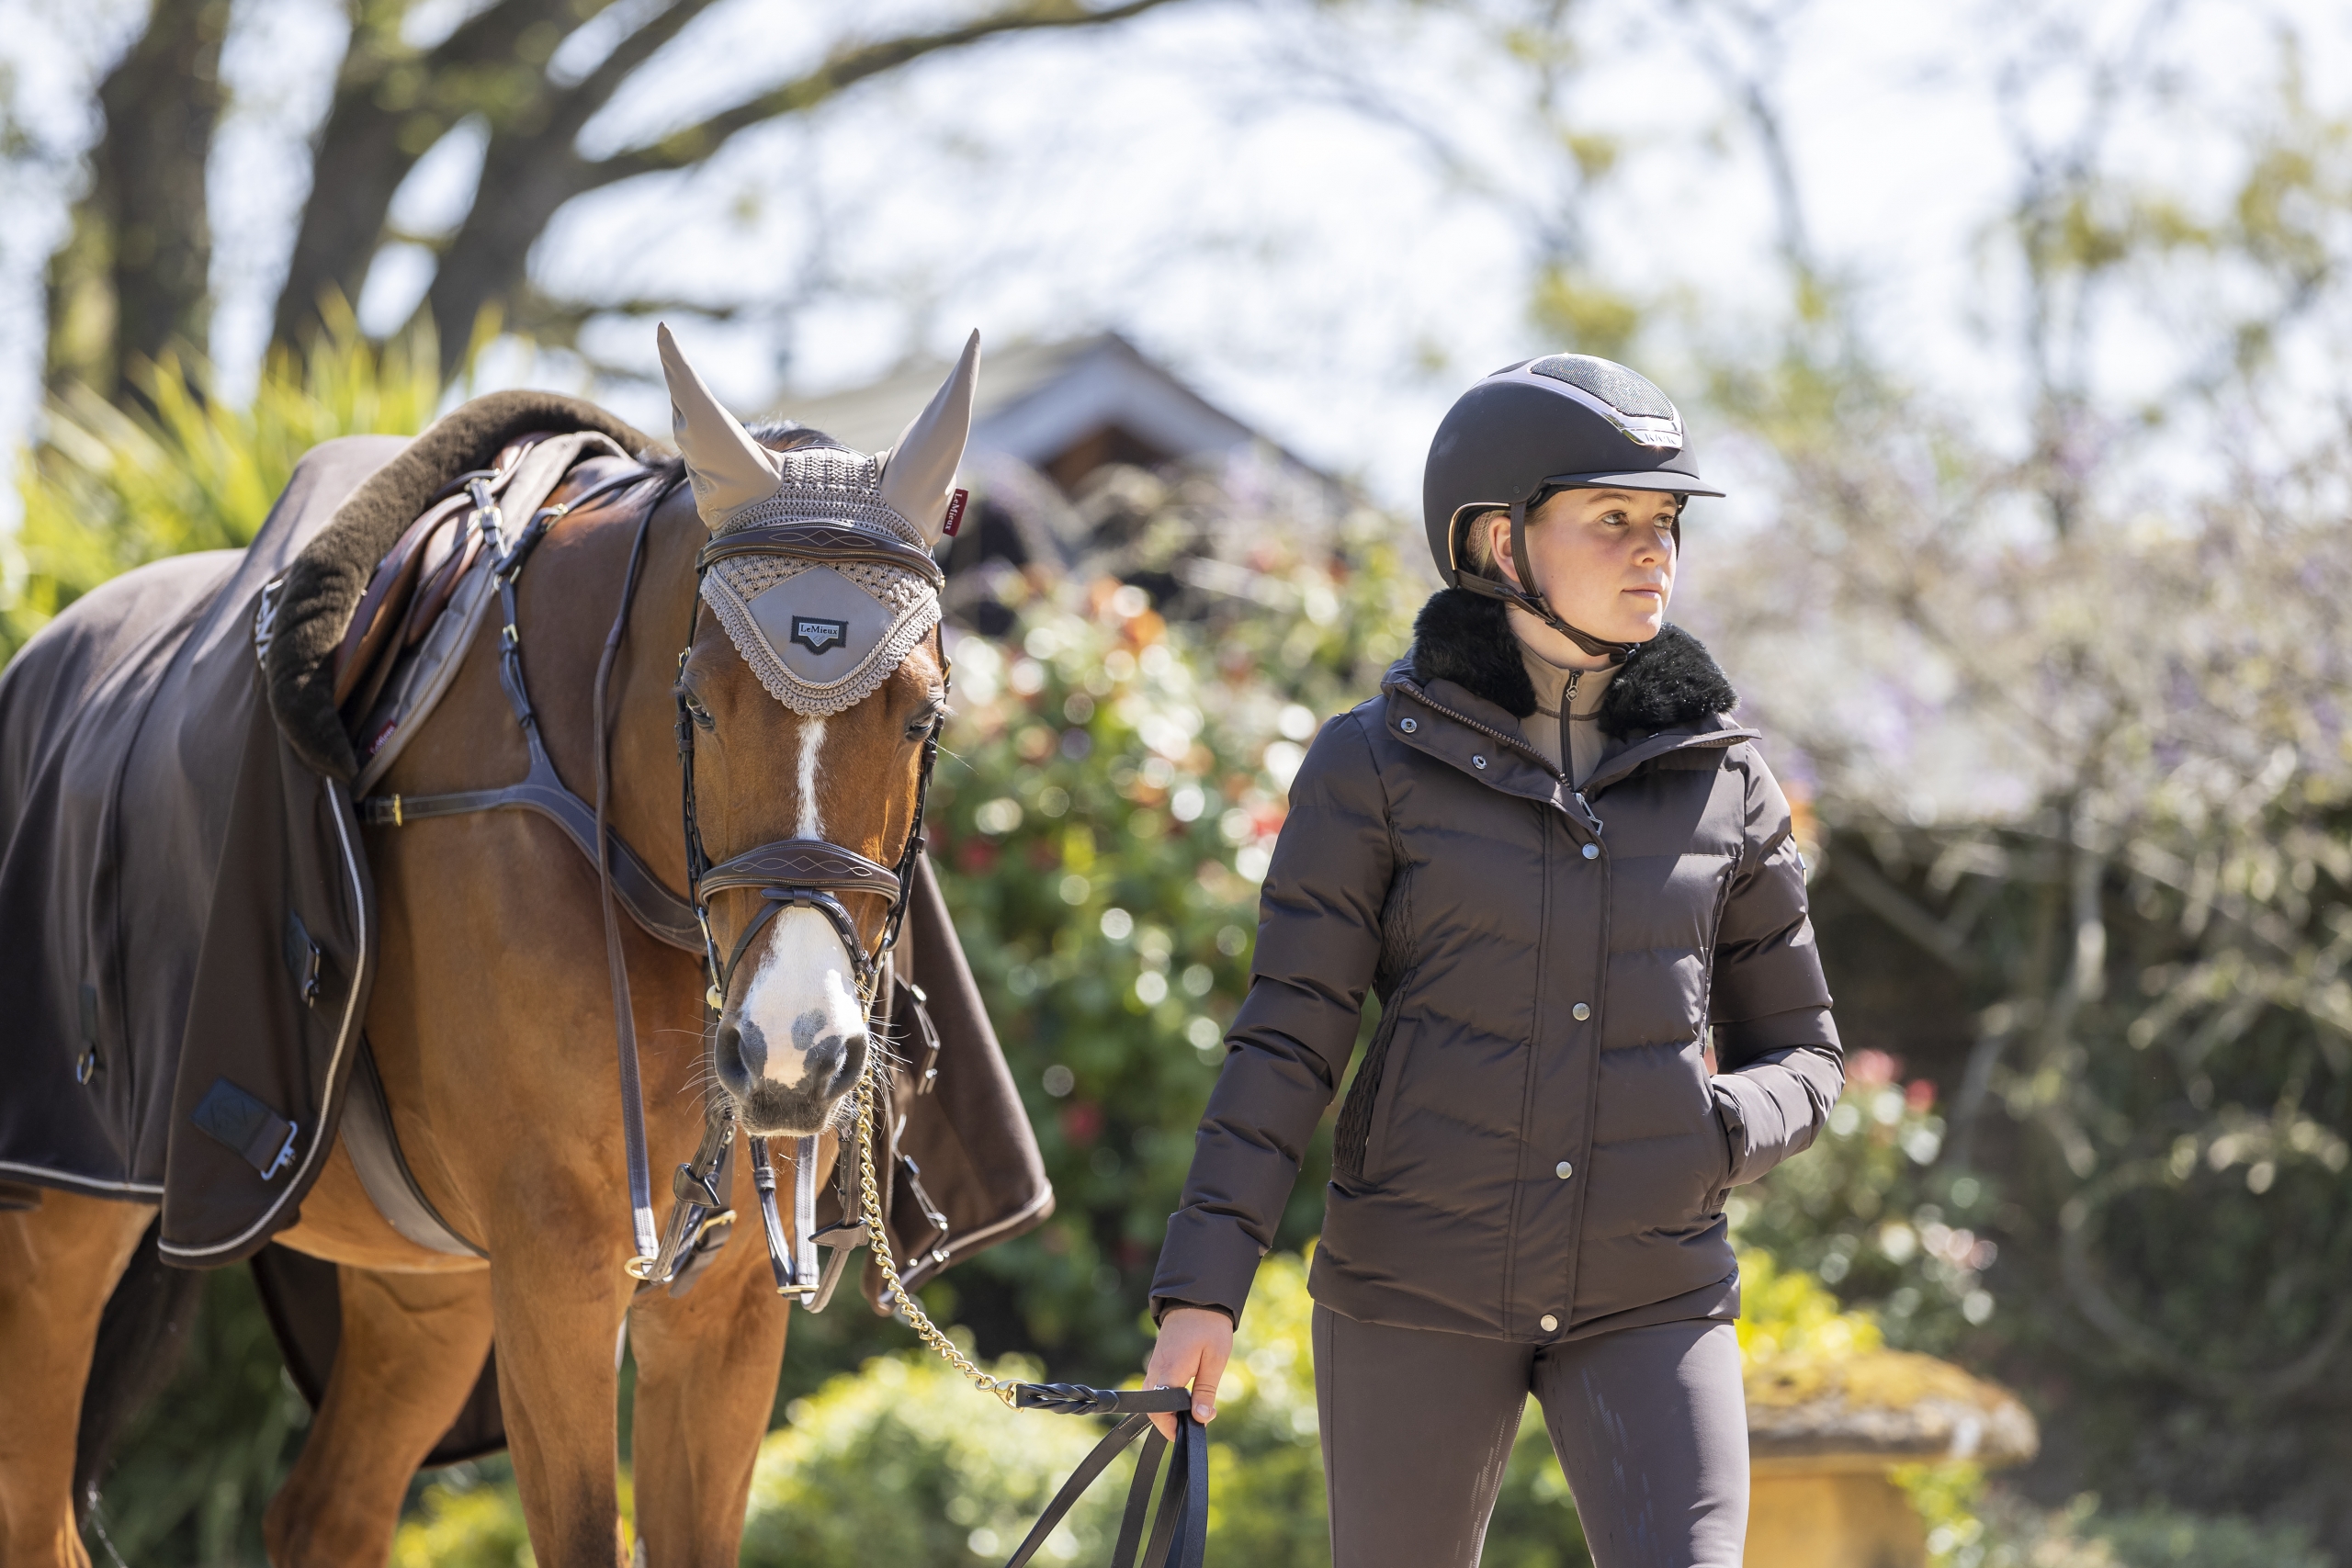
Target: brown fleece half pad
point(325, 584)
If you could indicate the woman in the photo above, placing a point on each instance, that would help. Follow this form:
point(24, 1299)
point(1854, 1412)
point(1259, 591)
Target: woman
point(1562, 867)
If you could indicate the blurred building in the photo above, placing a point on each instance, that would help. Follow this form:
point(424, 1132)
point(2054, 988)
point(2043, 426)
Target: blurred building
point(1089, 457)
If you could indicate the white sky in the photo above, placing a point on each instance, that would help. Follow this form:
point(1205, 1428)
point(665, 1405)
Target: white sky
point(1196, 180)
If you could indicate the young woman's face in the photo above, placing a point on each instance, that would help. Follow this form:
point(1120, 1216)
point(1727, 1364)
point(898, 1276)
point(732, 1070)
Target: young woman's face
point(1604, 560)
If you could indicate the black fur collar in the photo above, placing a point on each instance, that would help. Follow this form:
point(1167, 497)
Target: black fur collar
point(1466, 638)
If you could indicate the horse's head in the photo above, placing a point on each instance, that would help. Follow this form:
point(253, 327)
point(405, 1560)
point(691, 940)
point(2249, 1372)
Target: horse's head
point(809, 696)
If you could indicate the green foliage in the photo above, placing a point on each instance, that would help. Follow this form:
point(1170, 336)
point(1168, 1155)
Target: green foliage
point(108, 490)
point(2080, 1535)
point(2165, 1538)
point(457, 1524)
point(1870, 1211)
point(1947, 1496)
point(903, 1462)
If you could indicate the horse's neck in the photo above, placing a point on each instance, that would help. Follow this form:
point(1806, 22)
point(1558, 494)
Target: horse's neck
point(572, 593)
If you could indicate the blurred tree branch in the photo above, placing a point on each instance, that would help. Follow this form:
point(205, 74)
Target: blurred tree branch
point(123, 293)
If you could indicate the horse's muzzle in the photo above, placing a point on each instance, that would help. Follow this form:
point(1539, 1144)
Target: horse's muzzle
point(775, 1107)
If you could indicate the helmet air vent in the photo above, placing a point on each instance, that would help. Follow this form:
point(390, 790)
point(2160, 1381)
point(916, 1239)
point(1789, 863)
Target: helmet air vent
point(1630, 402)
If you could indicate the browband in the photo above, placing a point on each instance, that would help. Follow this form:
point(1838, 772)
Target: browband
point(827, 541)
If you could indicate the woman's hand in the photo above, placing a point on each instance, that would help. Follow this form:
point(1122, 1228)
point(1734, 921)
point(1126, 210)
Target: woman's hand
point(1195, 1344)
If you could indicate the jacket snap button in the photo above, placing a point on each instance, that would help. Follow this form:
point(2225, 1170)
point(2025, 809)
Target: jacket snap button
point(1549, 1324)
point(1409, 724)
point(1580, 1012)
point(1477, 761)
point(1564, 1170)
point(1592, 852)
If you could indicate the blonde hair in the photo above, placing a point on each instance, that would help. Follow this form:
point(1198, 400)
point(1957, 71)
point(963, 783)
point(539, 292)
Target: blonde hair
point(1475, 551)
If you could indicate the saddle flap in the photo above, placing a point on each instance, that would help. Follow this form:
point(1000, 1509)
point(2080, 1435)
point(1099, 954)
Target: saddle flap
point(387, 598)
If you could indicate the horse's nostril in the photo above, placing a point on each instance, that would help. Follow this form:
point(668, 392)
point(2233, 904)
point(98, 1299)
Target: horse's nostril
point(851, 1064)
point(825, 1055)
point(733, 1053)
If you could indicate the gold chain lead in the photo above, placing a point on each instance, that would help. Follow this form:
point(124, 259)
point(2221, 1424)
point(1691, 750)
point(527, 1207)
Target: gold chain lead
point(903, 1297)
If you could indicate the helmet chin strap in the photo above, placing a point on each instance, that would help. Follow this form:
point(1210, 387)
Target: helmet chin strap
point(1530, 598)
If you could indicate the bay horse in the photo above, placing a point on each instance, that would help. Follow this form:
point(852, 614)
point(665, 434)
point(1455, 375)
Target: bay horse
point(493, 1026)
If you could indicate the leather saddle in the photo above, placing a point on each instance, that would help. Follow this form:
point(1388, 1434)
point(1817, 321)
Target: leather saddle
point(427, 597)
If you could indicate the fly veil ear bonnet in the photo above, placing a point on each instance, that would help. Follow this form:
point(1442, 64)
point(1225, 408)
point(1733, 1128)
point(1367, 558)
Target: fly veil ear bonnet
point(822, 635)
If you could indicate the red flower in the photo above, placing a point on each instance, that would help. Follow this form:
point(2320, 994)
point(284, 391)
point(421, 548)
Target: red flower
point(1081, 1122)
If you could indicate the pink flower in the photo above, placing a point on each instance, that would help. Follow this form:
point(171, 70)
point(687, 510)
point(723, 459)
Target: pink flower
point(1871, 1067)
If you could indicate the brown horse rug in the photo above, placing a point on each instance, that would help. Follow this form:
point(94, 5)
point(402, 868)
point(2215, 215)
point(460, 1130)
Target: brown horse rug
point(185, 915)
point(187, 918)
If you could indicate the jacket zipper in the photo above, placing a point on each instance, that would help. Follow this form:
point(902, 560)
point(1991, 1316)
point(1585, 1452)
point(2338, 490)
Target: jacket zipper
point(1592, 818)
point(1568, 736)
point(1515, 742)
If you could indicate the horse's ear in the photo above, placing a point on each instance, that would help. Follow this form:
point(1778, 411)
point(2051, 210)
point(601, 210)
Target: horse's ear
point(730, 470)
point(917, 473)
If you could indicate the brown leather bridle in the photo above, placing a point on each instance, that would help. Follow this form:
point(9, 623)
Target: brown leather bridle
point(814, 873)
point(810, 874)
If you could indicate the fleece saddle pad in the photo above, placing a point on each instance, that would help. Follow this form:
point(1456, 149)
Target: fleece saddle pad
point(185, 914)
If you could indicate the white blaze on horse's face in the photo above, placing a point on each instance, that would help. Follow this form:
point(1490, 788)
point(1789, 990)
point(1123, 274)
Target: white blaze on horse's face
point(799, 1030)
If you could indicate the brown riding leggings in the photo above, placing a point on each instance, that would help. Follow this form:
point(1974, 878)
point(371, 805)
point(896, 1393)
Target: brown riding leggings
point(1650, 1426)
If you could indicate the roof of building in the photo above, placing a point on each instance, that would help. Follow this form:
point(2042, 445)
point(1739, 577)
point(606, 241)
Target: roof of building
point(1041, 401)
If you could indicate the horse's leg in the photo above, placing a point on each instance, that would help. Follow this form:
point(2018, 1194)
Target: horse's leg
point(412, 1348)
point(58, 1264)
point(706, 1367)
point(560, 1296)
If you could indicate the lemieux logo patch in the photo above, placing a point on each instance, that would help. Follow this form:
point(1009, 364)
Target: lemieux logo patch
point(955, 514)
point(819, 636)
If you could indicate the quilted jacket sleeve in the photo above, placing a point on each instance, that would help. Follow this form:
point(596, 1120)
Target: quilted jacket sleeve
point(1775, 1042)
point(1319, 939)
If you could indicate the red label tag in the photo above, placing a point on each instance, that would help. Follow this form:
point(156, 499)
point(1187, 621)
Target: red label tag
point(955, 514)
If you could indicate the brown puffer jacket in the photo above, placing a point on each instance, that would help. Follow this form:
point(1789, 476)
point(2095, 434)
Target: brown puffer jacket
point(1533, 1149)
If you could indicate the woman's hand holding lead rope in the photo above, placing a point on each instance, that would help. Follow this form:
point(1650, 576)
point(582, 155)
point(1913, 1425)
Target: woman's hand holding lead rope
point(1195, 1344)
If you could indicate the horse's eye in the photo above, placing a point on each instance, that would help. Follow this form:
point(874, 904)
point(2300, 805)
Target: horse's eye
point(700, 715)
point(924, 723)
